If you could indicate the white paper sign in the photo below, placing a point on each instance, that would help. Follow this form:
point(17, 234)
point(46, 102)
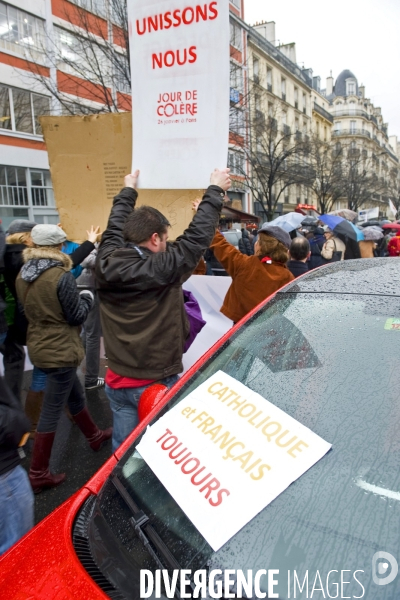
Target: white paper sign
point(180, 91)
point(224, 453)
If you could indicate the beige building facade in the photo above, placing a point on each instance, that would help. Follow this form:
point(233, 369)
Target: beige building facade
point(282, 91)
point(359, 127)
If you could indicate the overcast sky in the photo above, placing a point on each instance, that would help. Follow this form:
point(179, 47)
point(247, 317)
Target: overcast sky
point(360, 35)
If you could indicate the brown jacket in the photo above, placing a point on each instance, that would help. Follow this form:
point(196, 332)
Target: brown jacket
point(53, 332)
point(252, 280)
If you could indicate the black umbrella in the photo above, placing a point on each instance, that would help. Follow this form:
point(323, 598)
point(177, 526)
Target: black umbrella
point(308, 221)
point(370, 223)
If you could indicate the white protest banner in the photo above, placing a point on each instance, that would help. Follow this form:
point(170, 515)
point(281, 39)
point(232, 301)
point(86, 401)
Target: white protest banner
point(179, 55)
point(392, 208)
point(209, 293)
point(224, 453)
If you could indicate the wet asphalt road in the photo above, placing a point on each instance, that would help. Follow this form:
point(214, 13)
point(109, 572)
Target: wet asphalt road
point(71, 453)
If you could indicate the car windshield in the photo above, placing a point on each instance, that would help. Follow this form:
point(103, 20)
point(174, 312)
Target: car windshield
point(332, 363)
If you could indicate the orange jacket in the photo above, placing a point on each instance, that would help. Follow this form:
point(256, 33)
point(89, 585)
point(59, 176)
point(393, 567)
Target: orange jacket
point(252, 280)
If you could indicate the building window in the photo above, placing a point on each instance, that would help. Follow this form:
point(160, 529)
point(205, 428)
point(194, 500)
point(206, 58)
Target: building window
point(42, 189)
point(236, 121)
point(304, 104)
point(353, 126)
point(352, 108)
point(76, 57)
point(236, 36)
point(13, 186)
point(351, 88)
point(283, 88)
point(26, 194)
point(338, 126)
point(20, 32)
point(236, 76)
point(98, 7)
point(20, 110)
point(256, 70)
point(296, 97)
point(269, 79)
point(235, 3)
point(236, 163)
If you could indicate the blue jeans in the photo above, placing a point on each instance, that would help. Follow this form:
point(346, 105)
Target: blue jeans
point(39, 379)
point(124, 405)
point(16, 507)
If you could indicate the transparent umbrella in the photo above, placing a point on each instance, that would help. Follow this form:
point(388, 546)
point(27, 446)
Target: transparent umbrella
point(373, 233)
point(289, 222)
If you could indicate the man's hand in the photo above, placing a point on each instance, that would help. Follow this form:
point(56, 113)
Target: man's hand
point(92, 234)
point(195, 204)
point(131, 180)
point(220, 177)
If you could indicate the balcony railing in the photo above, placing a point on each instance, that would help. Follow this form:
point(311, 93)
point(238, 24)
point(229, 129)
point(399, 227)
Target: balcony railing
point(284, 96)
point(256, 79)
point(362, 132)
point(269, 87)
point(13, 196)
point(357, 112)
point(286, 130)
point(324, 113)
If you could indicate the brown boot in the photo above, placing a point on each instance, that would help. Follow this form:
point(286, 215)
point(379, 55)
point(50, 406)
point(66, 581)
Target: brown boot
point(33, 408)
point(39, 473)
point(95, 436)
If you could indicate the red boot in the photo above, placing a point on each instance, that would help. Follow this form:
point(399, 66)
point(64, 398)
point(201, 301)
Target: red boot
point(95, 436)
point(39, 472)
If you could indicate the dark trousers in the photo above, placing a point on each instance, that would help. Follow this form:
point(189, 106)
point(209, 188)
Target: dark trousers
point(63, 387)
point(14, 364)
point(91, 340)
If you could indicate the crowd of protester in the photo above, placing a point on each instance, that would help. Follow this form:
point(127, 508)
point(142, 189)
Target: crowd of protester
point(57, 298)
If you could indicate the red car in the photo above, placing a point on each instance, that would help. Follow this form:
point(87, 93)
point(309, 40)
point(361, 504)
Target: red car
point(324, 349)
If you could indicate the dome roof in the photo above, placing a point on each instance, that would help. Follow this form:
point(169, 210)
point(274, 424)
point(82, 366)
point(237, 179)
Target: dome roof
point(340, 84)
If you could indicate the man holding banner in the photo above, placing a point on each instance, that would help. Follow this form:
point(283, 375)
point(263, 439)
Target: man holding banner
point(139, 281)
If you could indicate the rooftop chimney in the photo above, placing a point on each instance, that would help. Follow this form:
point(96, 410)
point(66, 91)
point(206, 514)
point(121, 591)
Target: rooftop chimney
point(267, 30)
point(289, 50)
point(329, 85)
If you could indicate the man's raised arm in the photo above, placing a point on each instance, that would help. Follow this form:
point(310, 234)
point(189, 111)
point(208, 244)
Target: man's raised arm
point(123, 205)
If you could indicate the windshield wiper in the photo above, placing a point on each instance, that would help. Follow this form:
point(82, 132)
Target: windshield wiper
point(146, 532)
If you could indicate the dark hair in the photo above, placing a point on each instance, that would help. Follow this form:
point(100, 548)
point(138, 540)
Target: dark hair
point(142, 223)
point(299, 248)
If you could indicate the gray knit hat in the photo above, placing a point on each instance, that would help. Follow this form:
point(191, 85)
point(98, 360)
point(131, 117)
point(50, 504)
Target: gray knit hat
point(48, 235)
point(278, 233)
point(20, 226)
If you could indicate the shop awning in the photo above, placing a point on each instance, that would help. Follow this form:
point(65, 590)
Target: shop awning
point(238, 216)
